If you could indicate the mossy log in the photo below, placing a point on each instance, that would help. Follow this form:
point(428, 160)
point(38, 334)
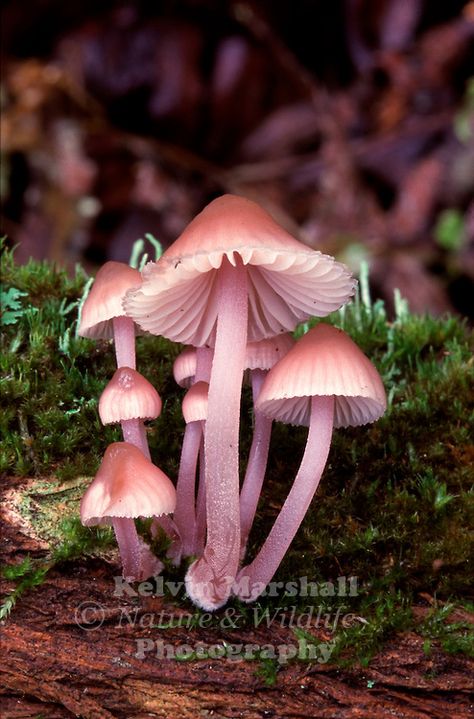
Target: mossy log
point(394, 509)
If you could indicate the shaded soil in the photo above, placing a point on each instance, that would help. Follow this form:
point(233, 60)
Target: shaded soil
point(52, 667)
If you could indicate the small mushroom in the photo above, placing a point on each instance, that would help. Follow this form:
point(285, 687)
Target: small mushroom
point(130, 399)
point(325, 381)
point(103, 316)
point(128, 486)
point(193, 365)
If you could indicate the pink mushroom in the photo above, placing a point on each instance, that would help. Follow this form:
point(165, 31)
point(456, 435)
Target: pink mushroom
point(128, 486)
point(325, 381)
point(191, 366)
point(103, 316)
point(259, 358)
point(195, 413)
point(233, 276)
point(130, 399)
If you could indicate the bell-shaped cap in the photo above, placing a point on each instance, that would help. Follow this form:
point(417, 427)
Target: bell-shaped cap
point(128, 395)
point(184, 367)
point(266, 353)
point(287, 281)
point(194, 406)
point(104, 301)
point(127, 485)
point(258, 355)
point(325, 361)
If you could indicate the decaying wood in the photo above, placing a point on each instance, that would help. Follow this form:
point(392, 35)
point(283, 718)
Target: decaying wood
point(51, 667)
point(47, 659)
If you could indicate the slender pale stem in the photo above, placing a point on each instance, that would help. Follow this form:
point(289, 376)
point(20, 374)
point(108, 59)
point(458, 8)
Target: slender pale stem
point(209, 580)
point(253, 578)
point(134, 431)
point(185, 514)
point(129, 547)
point(200, 526)
point(256, 466)
point(124, 338)
point(204, 356)
point(138, 561)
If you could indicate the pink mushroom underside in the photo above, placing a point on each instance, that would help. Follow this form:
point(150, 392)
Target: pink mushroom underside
point(254, 577)
point(124, 339)
point(256, 466)
point(209, 579)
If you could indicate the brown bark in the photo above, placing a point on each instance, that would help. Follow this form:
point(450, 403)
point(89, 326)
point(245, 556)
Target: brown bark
point(51, 667)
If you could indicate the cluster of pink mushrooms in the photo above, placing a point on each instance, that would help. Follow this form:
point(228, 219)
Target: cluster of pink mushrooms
point(232, 288)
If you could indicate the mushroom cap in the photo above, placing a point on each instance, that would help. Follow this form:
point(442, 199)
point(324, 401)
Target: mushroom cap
point(325, 361)
point(128, 395)
point(127, 485)
point(287, 281)
point(194, 406)
point(104, 301)
point(184, 367)
point(266, 353)
point(258, 355)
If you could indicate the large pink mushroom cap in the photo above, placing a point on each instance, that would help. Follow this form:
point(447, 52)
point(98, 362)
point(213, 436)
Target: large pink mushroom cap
point(288, 282)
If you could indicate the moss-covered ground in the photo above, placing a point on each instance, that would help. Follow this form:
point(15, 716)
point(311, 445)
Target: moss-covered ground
point(395, 507)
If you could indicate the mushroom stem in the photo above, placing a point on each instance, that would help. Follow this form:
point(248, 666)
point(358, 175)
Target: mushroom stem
point(200, 526)
point(124, 338)
point(134, 431)
point(185, 513)
point(138, 561)
point(204, 357)
point(209, 579)
point(256, 466)
point(129, 547)
point(253, 578)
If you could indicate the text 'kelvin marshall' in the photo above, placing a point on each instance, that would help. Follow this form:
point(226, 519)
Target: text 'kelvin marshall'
point(301, 587)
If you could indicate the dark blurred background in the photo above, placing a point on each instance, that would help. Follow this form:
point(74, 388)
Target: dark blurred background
point(351, 121)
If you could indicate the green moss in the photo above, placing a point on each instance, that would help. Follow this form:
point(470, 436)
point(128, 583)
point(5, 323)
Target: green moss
point(75, 541)
point(51, 380)
point(454, 637)
point(395, 507)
